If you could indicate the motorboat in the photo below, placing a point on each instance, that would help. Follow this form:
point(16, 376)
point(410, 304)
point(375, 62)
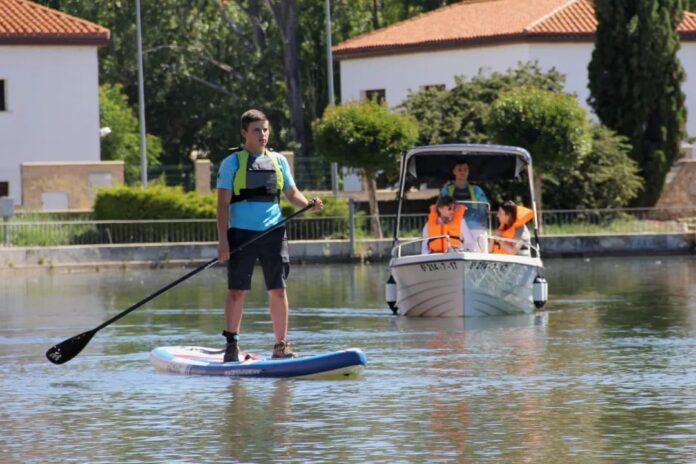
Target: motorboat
point(465, 282)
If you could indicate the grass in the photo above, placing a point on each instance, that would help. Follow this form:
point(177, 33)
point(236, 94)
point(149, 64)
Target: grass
point(38, 231)
point(617, 226)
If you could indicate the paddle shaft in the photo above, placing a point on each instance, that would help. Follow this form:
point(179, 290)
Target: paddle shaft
point(135, 306)
point(82, 339)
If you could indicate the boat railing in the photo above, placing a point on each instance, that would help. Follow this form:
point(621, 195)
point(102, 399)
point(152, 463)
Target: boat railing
point(534, 250)
point(397, 249)
point(482, 243)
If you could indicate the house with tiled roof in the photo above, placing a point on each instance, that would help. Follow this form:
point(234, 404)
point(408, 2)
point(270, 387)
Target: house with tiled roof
point(49, 91)
point(494, 35)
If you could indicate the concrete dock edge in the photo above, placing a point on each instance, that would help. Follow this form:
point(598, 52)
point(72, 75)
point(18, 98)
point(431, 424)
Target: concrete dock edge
point(324, 251)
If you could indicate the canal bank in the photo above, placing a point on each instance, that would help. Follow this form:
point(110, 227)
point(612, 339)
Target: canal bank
point(322, 251)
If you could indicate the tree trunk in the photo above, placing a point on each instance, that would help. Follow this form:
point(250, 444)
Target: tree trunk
point(254, 12)
point(371, 186)
point(376, 6)
point(285, 14)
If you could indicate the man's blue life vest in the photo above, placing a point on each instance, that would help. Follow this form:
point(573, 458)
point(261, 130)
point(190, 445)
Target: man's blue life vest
point(258, 181)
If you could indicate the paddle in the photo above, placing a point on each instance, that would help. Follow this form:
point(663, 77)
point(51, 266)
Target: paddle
point(68, 349)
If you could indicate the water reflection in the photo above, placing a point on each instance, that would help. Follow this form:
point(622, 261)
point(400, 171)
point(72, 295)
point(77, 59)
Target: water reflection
point(605, 375)
point(252, 419)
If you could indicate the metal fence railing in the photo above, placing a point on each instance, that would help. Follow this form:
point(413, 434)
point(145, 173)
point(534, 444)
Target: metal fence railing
point(40, 232)
point(183, 175)
point(83, 232)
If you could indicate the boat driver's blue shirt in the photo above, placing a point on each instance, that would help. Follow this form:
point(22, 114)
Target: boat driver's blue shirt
point(252, 215)
point(476, 214)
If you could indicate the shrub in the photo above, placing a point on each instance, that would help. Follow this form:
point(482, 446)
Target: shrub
point(153, 202)
point(332, 206)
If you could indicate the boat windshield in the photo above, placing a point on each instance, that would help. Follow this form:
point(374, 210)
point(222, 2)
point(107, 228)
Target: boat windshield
point(478, 214)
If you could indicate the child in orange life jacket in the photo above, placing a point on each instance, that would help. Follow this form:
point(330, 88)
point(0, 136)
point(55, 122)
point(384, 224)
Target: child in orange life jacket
point(512, 219)
point(447, 218)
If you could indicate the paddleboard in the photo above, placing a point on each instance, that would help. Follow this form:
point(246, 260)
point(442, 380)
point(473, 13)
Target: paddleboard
point(197, 360)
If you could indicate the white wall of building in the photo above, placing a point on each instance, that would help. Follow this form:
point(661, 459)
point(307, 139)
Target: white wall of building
point(52, 97)
point(398, 74)
point(571, 60)
point(687, 56)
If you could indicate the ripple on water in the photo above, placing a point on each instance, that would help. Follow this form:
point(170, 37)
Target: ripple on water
point(605, 376)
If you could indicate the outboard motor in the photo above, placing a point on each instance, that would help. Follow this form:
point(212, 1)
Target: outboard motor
point(540, 291)
point(390, 293)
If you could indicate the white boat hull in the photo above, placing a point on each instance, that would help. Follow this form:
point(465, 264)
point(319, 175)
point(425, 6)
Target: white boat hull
point(464, 284)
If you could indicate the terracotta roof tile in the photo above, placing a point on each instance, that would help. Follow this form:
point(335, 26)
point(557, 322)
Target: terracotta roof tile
point(575, 17)
point(688, 25)
point(473, 22)
point(25, 22)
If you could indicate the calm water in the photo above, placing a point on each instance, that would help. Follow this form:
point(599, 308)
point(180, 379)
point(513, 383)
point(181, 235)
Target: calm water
point(605, 375)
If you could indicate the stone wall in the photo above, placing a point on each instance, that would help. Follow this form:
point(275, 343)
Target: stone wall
point(680, 186)
point(202, 173)
point(66, 186)
point(326, 251)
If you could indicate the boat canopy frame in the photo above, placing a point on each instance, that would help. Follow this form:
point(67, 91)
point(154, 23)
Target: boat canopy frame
point(486, 162)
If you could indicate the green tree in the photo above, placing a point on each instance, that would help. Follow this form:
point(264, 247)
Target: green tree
point(457, 115)
point(367, 136)
point(550, 125)
point(606, 178)
point(690, 6)
point(123, 143)
point(286, 15)
point(207, 61)
point(635, 83)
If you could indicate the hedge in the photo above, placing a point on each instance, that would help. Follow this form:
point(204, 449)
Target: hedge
point(152, 202)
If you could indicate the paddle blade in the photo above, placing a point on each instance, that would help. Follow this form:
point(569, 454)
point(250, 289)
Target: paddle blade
point(68, 349)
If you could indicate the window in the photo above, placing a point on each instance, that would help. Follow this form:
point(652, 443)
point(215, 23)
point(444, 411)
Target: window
point(98, 179)
point(4, 189)
point(54, 200)
point(434, 87)
point(3, 101)
point(378, 95)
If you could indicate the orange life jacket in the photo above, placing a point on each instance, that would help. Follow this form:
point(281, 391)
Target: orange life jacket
point(452, 228)
point(524, 215)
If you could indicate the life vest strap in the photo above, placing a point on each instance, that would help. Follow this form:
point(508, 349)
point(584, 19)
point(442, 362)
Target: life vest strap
point(259, 194)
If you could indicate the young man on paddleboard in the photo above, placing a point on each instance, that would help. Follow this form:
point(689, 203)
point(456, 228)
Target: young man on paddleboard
point(249, 184)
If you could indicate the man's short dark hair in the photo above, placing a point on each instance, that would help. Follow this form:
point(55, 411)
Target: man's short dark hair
point(252, 116)
point(460, 161)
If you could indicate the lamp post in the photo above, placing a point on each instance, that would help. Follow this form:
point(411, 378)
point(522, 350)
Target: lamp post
point(329, 78)
point(329, 55)
point(141, 98)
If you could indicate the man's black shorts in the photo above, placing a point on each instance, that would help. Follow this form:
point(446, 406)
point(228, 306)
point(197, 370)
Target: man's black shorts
point(272, 252)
